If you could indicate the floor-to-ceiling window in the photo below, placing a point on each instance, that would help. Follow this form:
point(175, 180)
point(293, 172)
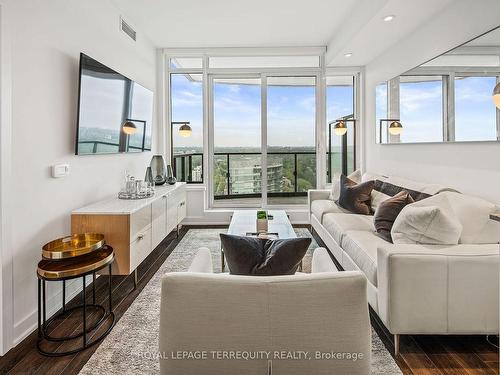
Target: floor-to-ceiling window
point(187, 105)
point(237, 168)
point(340, 105)
point(254, 123)
point(186, 109)
point(291, 151)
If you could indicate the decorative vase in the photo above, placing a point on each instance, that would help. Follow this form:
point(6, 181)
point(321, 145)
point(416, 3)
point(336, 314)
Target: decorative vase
point(149, 176)
point(171, 180)
point(158, 170)
point(262, 222)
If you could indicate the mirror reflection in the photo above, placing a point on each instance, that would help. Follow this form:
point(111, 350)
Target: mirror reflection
point(452, 98)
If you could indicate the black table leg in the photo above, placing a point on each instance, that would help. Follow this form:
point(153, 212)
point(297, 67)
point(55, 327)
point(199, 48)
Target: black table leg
point(110, 290)
point(43, 308)
point(39, 309)
point(84, 314)
point(64, 296)
point(93, 288)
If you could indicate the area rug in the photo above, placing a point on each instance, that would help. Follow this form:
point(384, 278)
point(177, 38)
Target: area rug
point(131, 346)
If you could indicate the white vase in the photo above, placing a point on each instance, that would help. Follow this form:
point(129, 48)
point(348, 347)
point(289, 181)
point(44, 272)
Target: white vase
point(262, 225)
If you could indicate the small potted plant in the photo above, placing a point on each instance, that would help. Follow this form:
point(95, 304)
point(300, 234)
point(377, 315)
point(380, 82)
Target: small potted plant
point(262, 221)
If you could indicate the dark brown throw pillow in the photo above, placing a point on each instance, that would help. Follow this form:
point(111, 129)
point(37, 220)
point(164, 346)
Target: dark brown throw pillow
point(258, 257)
point(388, 211)
point(390, 189)
point(355, 198)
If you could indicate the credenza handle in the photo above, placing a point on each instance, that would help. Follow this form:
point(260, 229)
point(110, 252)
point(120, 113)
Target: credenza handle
point(140, 236)
point(164, 196)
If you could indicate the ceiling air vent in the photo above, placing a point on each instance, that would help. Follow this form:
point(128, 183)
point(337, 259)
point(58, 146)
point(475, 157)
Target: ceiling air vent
point(127, 29)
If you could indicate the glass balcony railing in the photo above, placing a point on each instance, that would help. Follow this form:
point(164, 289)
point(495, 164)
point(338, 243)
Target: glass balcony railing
point(239, 175)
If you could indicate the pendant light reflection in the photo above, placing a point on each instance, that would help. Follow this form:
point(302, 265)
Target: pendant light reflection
point(185, 130)
point(496, 95)
point(395, 128)
point(340, 128)
point(129, 128)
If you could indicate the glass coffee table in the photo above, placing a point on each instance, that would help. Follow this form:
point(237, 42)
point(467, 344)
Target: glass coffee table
point(244, 222)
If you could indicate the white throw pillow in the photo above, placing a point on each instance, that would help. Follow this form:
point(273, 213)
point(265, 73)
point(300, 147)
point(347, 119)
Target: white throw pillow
point(335, 193)
point(474, 215)
point(426, 225)
point(377, 198)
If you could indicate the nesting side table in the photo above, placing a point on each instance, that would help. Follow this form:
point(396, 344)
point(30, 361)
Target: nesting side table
point(67, 269)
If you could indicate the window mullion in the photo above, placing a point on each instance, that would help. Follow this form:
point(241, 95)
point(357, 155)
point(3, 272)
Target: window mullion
point(449, 107)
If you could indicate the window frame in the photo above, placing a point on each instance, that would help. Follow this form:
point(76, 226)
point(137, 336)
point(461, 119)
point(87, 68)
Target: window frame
point(320, 127)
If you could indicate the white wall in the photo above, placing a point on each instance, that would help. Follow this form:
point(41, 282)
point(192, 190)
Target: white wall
point(472, 168)
point(47, 38)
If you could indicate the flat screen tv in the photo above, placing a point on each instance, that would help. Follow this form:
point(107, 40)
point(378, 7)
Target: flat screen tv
point(115, 114)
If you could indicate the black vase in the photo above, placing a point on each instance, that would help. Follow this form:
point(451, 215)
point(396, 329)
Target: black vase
point(171, 180)
point(158, 170)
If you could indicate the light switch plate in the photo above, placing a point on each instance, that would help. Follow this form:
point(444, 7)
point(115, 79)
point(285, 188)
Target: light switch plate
point(60, 170)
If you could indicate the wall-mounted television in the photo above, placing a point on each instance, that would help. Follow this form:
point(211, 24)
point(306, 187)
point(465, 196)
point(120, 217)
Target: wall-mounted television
point(115, 114)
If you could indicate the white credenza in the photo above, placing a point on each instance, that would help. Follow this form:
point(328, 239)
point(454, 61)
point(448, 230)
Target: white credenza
point(134, 228)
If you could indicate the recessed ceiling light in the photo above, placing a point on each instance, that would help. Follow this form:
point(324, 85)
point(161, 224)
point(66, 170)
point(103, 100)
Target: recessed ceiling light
point(348, 54)
point(389, 18)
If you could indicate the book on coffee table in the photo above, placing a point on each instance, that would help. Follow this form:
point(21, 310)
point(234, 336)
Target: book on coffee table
point(263, 235)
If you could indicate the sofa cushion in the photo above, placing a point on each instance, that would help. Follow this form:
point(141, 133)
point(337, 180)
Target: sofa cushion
point(388, 211)
point(335, 192)
point(355, 197)
point(321, 207)
point(377, 198)
point(427, 225)
point(472, 212)
point(338, 224)
point(361, 246)
point(390, 189)
point(426, 188)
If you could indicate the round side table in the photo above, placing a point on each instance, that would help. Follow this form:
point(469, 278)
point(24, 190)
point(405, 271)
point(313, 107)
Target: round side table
point(67, 269)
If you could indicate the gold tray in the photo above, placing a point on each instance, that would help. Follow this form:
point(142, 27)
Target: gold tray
point(72, 246)
point(50, 269)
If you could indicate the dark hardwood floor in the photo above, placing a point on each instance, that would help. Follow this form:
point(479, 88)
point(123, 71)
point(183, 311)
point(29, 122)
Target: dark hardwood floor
point(420, 355)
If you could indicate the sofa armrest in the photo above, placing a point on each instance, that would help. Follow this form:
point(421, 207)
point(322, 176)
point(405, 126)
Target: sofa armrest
point(317, 194)
point(202, 261)
point(436, 289)
point(321, 261)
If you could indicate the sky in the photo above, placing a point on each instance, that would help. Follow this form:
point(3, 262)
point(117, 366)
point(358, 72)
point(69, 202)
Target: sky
point(237, 111)
point(422, 109)
point(291, 111)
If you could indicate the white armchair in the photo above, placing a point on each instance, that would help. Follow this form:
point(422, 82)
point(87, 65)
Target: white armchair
point(212, 320)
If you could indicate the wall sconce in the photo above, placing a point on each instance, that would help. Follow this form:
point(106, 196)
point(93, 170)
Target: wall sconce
point(340, 127)
point(129, 127)
point(395, 126)
point(496, 95)
point(184, 130)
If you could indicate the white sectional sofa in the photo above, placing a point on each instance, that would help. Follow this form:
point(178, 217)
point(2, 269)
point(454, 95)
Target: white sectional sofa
point(416, 288)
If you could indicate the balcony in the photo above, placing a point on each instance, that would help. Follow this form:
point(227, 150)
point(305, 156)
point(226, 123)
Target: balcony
point(238, 175)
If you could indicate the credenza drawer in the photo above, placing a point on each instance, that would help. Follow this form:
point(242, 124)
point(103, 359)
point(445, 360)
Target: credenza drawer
point(140, 221)
point(140, 248)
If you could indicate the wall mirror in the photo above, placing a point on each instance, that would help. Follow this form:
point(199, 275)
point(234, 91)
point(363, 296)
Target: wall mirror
point(454, 97)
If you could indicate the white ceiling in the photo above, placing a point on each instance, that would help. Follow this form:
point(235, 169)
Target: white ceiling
point(354, 26)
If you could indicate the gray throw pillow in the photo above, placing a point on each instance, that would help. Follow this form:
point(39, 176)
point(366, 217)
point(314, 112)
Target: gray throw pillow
point(354, 197)
point(258, 257)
